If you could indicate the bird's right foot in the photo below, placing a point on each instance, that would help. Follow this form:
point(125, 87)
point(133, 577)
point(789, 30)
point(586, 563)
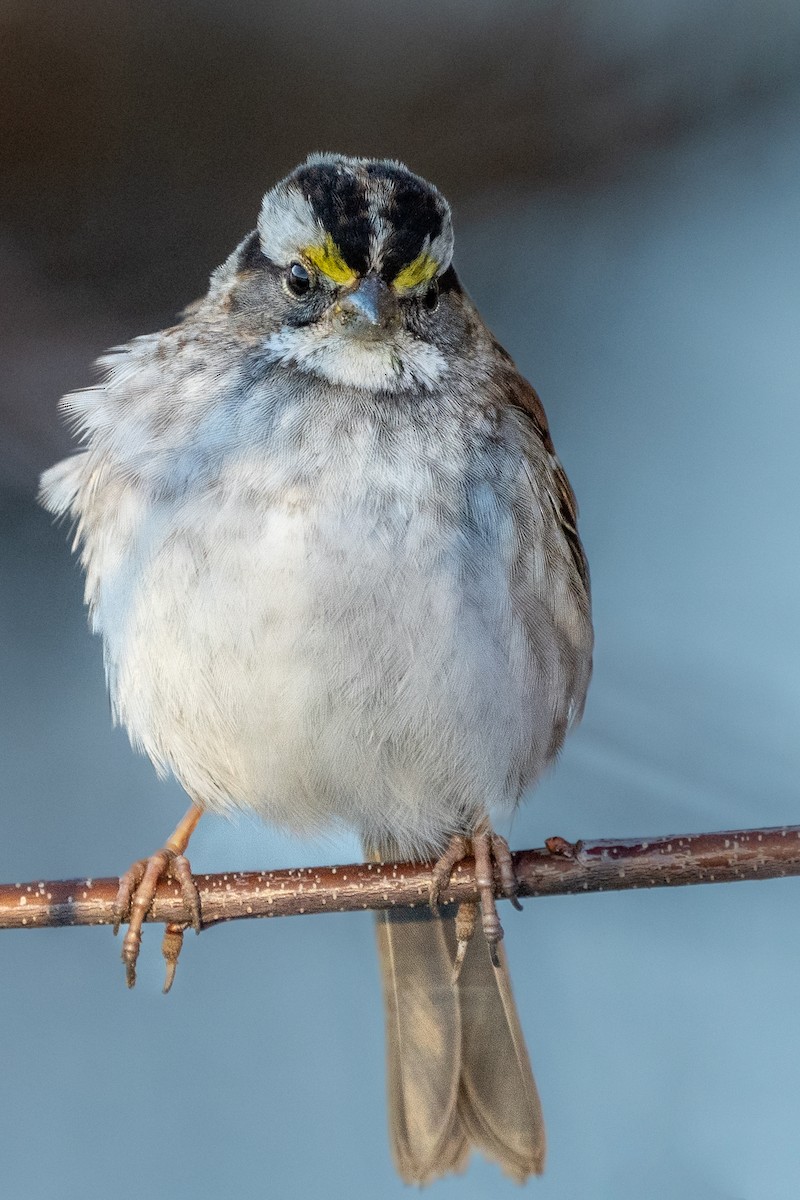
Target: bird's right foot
point(137, 889)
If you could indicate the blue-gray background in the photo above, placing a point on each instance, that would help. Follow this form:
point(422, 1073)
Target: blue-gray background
point(627, 192)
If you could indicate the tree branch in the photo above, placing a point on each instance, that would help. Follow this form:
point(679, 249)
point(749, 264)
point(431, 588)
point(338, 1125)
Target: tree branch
point(560, 868)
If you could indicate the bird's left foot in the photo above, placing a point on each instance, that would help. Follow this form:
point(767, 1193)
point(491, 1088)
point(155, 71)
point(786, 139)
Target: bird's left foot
point(491, 854)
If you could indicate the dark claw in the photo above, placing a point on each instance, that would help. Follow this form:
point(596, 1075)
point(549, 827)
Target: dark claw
point(465, 928)
point(461, 954)
point(505, 868)
point(171, 948)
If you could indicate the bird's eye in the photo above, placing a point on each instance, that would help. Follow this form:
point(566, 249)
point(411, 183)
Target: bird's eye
point(430, 300)
point(298, 280)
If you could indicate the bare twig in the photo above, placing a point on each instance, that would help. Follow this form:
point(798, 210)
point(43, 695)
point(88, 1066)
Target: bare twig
point(558, 869)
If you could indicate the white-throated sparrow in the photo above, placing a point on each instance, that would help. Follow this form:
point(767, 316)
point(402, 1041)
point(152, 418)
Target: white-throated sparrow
point(334, 561)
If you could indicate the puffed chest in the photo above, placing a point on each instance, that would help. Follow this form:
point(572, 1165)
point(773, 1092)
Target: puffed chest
point(327, 626)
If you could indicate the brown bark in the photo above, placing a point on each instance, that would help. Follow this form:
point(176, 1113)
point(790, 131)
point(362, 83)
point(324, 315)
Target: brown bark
point(560, 868)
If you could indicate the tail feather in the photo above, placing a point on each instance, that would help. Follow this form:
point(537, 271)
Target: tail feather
point(498, 1103)
point(458, 1068)
point(423, 1035)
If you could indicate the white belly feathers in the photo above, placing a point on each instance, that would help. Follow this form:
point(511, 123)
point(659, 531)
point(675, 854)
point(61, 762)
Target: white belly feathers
point(329, 649)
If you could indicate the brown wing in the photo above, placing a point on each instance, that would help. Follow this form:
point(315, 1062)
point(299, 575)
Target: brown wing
point(572, 617)
point(520, 394)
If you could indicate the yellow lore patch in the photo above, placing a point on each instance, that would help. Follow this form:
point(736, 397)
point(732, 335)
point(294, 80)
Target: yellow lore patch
point(328, 259)
point(421, 270)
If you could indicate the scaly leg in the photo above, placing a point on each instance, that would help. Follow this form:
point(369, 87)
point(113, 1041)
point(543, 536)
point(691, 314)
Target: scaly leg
point(137, 889)
point(490, 851)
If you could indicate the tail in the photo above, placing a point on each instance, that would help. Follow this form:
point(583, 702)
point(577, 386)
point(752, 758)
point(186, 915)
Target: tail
point(459, 1075)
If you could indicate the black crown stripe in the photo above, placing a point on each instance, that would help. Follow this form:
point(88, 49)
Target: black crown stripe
point(413, 214)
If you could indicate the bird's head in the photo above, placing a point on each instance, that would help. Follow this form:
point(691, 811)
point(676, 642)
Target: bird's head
point(350, 270)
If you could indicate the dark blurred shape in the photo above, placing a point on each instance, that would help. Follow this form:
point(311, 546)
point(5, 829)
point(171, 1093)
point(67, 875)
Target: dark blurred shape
point(138, 138)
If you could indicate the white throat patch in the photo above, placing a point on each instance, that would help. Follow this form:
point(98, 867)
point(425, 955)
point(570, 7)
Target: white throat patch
point(397, 364)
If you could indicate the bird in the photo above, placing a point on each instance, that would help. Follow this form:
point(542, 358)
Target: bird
point(335, 565)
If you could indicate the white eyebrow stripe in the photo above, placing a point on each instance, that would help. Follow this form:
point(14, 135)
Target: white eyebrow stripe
point(286, 222)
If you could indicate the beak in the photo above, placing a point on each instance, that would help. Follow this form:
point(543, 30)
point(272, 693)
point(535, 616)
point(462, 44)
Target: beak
point(369, 310)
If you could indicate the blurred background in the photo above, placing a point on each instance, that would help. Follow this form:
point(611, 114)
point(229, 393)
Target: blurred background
point(626, 185)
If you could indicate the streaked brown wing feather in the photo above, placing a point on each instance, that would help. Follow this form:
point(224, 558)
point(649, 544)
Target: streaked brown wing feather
point(520, 394)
